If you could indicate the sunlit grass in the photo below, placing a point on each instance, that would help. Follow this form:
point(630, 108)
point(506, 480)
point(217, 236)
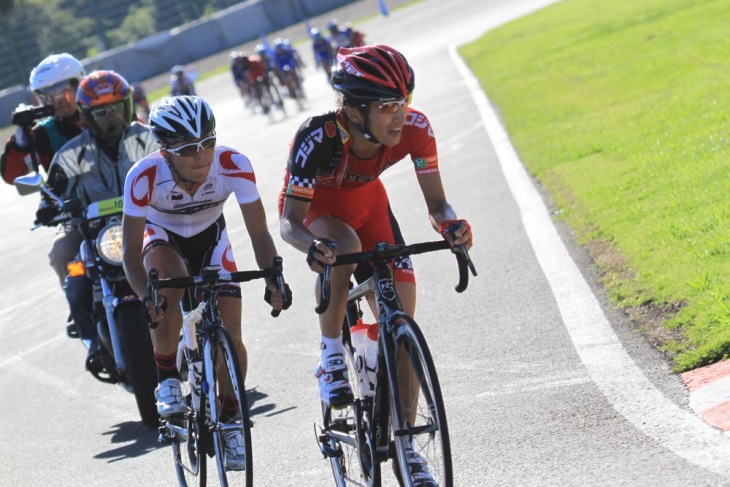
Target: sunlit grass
point(620, 109)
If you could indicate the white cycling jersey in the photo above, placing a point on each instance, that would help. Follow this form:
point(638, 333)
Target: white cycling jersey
point(150, 192)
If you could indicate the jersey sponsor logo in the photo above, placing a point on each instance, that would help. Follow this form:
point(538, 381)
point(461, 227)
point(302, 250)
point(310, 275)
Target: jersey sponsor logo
point(142, 185)
point(347, 66)
point(300, 191)
point(358, 178)
point(189, 207)
point(149, 232)
point(228, 263)
point(307, 146)
point(344, 134)
point(418, 120)
point(329, 129)
point(176, 196)
point(426, 165)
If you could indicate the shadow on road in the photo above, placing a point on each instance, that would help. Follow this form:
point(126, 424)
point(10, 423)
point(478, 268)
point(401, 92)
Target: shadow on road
point(254, 396)
point(134, 440)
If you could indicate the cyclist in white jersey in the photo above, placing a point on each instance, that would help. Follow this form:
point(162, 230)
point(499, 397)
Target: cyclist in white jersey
point(173, 222)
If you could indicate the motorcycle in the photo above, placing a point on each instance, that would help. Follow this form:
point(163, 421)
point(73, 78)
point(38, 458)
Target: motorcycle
point(126, 356)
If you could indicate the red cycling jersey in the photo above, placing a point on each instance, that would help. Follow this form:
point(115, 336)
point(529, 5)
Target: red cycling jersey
point(324, 171)
point(256, 67)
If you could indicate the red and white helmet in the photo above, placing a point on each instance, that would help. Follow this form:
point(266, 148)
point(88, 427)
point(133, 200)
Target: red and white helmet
point(372, 73)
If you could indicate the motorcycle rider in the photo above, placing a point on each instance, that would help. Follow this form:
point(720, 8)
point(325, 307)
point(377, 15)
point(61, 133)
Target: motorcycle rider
point(92, 167)
point(53, 82)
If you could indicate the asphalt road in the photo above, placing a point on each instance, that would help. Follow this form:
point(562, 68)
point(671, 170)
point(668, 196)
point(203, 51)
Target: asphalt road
point(544, 382)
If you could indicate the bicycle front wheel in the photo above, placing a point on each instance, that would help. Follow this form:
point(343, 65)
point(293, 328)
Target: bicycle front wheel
point(229, 415)
point(188, 437)
point(419, 424)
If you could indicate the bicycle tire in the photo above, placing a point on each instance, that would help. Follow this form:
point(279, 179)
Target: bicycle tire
point(232, 385)
point(141, 368)
point(189, 451)
point(428, 434)
point(351, 458)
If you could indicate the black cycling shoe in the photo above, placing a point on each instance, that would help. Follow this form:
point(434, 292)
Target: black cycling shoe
point(71, 329)
point(95, 357)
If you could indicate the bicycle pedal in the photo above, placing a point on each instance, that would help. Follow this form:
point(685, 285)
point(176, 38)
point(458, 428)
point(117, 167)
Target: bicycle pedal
point(164, 435)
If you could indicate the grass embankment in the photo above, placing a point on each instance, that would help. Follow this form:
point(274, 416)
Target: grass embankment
point(620, 110)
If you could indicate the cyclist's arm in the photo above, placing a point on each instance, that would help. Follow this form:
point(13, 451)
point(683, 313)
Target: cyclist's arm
point(291, 224)
point(439, 209)
point(254, 217)
point(132, 239)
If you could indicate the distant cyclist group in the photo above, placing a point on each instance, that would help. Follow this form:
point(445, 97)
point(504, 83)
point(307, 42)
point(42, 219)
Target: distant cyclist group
point(101, 139)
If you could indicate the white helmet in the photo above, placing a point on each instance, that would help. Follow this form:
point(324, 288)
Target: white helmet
point(54, 69)
point(181, 118)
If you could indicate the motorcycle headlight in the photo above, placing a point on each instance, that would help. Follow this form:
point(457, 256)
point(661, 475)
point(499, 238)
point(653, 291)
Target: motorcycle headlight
point(109, 243)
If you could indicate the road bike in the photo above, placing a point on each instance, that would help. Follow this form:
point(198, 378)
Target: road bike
point(400, 411)
point(210, 371)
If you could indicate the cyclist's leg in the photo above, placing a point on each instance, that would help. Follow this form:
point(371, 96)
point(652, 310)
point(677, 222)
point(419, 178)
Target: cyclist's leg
point(230, 308)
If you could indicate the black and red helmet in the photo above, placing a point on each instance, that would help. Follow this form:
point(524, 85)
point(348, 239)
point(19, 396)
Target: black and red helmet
point(372, 73)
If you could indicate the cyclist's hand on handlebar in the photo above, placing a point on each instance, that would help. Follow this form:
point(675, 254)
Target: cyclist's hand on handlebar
point(322, 252)
point(148, 310)
point(273, 296)
point(456, 232)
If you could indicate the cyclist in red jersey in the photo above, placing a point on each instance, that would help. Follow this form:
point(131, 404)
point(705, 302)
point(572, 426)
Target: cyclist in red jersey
point(333, 201)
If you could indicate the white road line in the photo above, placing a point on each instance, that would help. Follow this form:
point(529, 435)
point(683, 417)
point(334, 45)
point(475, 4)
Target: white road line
point(607, 363)
point(21, 354)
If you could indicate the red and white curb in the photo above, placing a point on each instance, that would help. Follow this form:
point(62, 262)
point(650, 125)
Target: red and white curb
point(709, 393)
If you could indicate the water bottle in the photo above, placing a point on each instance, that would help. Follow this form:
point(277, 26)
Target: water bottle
point(371, 358)
point(195, 361)
point(359, 338)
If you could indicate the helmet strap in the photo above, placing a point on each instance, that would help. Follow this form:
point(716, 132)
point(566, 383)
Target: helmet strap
point(188, 183)
point(363, 128)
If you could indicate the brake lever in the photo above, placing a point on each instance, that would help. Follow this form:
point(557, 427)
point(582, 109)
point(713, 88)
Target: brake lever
point(324, 291)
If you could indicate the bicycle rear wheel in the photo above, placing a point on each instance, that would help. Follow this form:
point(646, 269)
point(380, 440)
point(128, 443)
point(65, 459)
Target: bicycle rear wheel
point(418, 414)
point(347, 440)
point(226, 381)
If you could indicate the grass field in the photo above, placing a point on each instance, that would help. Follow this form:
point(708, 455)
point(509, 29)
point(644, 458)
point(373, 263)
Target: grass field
point(620, 110)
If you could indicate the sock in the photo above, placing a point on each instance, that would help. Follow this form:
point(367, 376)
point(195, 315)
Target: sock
point(229, 409)
point(330, 346)
point(166, 367)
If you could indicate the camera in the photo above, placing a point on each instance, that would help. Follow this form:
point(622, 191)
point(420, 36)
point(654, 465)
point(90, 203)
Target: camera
point(26, 114)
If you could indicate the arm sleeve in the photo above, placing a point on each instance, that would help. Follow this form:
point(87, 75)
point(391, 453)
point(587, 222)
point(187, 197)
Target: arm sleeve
point(424, 151)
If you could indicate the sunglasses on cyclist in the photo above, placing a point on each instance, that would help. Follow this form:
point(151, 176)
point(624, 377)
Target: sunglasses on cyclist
point(189, 150)
point(394, 106)
point(48, 94)
point(105, 110)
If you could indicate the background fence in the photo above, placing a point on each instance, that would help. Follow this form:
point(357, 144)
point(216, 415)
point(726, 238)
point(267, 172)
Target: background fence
point(156, 54)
